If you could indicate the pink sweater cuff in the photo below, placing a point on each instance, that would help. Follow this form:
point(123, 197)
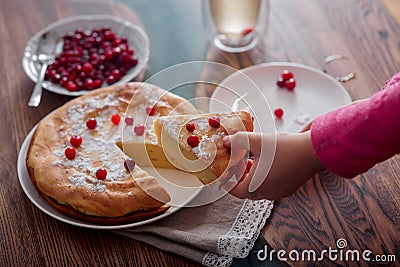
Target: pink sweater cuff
point(352, 139)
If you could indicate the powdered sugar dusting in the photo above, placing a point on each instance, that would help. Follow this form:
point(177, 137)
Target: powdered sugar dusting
point(206, 149)
point(99, 149)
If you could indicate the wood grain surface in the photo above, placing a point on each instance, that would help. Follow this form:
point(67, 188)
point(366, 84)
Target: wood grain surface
point(365, 211)
point(30, 237)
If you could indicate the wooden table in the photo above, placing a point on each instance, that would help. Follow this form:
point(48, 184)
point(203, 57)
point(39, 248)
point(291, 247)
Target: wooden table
point(364, 210)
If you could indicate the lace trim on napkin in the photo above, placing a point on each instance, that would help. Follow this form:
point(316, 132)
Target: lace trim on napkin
point(240, 238)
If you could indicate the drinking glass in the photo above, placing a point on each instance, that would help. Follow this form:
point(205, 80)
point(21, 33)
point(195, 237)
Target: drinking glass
point(236, 25)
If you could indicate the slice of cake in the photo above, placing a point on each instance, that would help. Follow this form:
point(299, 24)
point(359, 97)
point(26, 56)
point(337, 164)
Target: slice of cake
point(193, 143)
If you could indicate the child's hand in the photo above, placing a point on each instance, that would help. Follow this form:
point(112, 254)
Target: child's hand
point(291, 166)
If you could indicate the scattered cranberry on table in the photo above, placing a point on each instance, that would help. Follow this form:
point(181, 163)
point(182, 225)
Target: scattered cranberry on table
point(91, 58)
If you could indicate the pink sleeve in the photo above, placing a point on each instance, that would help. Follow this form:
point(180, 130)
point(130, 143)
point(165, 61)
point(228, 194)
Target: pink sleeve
point(352, 139)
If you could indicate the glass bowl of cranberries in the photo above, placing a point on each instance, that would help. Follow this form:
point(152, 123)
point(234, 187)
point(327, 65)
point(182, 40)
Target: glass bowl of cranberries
point(96, 51)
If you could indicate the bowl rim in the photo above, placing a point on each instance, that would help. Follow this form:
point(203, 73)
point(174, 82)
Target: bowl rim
point(28, 52)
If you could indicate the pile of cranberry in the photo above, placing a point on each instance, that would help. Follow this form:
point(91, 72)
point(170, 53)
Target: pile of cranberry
point(91, 58)
point(286, 80)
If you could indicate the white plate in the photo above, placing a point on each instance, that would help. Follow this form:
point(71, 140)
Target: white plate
point(185, 188)
point(253, 87)
point(137, 39)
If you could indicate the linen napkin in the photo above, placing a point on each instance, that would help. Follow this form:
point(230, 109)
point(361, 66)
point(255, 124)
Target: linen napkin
point(211, 234)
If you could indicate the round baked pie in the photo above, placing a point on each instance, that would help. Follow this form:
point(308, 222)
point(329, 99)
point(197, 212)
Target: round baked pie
point(76, 162)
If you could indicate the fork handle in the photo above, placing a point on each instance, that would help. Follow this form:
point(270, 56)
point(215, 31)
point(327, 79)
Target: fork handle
point(37, 90)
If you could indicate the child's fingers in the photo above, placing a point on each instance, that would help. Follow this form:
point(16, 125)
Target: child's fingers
point(241, 168)
point(240, 171)
point(241, 190)
point(250, 163)
point(239, 140)
point(236, 189)
point(242, 140)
